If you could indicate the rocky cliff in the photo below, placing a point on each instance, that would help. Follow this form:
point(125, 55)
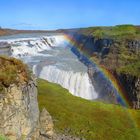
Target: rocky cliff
point(120, 56)
point(20, 118)
point(19, 114)
point(132, 88)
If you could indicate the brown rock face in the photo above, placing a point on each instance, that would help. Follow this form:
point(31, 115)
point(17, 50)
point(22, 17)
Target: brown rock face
point(19, 111)
point(46, 124)
point(20, 118)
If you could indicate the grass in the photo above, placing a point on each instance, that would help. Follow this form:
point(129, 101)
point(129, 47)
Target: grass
point(3, 137)
point(131, 69)
point(91, 120)
point(119, 31)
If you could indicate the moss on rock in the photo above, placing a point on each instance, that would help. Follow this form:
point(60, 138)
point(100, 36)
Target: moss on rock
point(12, 71)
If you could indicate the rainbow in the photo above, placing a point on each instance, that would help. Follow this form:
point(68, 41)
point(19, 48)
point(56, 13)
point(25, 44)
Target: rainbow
point(106, 73)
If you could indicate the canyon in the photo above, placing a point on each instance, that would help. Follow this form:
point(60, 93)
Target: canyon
point(106, 52)
point(54, 58)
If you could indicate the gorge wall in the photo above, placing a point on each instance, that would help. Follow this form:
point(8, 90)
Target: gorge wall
point(108, 52)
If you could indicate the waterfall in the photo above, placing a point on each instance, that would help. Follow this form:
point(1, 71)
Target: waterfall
point(78, 83)
point(51, 59)
point(34, 46)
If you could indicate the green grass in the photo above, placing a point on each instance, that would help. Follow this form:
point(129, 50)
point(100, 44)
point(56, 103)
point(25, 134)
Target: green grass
point(3, 137)
point(132, 69)
point(82, 118)
point(120, 30)
point(116, 32)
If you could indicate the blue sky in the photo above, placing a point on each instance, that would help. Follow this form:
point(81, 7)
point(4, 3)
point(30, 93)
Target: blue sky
point(55, 14)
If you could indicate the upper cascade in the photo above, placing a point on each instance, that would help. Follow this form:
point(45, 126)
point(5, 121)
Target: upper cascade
point(32, 46)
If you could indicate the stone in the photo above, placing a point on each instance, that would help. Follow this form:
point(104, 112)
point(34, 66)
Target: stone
point(46, 124)
point(19, 112)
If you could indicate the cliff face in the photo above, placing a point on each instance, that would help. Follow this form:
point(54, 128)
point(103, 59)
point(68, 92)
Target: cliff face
point(19, 114)
point(132, 87)
point(20, 118)
point(115, 54)
point(5, 49)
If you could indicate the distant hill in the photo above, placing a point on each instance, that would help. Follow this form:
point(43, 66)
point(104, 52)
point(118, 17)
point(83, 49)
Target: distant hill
point(4, 32)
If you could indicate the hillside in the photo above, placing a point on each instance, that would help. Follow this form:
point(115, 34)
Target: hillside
point(123, 42)
point(82, 118)
point(4, 32)
point(115, 50)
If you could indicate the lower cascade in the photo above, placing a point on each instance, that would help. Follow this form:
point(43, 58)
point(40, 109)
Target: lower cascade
point(78, 83)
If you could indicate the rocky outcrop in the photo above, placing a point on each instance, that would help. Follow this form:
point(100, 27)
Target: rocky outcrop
point(19, 113)
point(20, 118)
point(132, 87)
point(5, 49)
point(46, 124)
point(92, 45)
point(106, 52)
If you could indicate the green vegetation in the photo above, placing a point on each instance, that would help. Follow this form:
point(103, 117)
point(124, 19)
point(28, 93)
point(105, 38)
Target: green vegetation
point(12, 71)
point(3, 137)
point(124, 60)
point(124, 53)
point(131, 69)
point(91, 120)
point(119, 31)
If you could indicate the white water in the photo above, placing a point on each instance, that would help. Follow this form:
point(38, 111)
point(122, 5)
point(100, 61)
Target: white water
point(33, 46)
point(52, 60)
point(78, 83)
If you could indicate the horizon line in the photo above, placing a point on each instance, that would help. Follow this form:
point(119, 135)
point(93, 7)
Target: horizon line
point(72, 28)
